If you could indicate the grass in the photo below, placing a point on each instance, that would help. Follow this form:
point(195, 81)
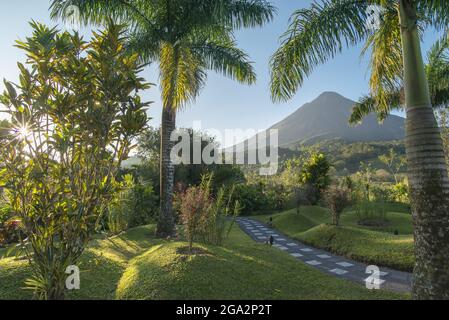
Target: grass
point(137, 266)
point(373, 245)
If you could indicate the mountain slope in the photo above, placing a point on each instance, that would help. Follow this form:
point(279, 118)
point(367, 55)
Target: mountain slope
point(327, 116)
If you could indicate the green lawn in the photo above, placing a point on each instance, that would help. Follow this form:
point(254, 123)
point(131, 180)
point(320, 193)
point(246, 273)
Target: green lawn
point(374, 245)
point(137, 266)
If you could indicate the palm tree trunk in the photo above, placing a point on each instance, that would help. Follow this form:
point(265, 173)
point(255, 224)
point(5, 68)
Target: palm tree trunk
point(166, 223)
point(428, 175)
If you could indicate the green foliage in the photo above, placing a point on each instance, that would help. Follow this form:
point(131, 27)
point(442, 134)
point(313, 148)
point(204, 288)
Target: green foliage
point(220, 220)
point(74, 114)
point(337, 199)
point(315, 173)
point(437, 71)
point(314, 35)
point(145, 205)
point(135, 205)
point(120, 208)
point(371, 213)
point(393, 162)
point(371, 247)
point(5, 213)
point(251, 197)
point(186, 174)
point(347, 156)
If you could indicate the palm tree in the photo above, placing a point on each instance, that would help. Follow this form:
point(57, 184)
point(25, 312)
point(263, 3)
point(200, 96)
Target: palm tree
point(186, 38)
point(320, 32)
point(437, 71)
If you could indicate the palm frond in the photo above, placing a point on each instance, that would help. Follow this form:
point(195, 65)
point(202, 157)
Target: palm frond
point(101, 11)
point(437, 71)
point(434, 12)
point(221, 54)
point(146, 42)
point(314, 36)
point(367, 104)
point(245, 13)
point(182, 76)
point(386, 66)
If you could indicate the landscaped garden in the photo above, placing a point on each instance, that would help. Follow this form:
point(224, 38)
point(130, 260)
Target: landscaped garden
point(97, 203)
point(390, 245)
point(136, 265)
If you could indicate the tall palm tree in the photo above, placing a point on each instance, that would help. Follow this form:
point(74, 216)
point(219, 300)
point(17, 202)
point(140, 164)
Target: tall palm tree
point(437, 71)
point(186, 38)
point(320, 32)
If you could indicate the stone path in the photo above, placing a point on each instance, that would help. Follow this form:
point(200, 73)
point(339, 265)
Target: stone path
point(327, 262)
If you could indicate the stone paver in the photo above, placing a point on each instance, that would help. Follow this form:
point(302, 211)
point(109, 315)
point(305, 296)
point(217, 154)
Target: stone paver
point(325, 261)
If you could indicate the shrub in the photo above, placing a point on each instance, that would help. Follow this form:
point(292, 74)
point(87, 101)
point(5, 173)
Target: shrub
point(252, 197)
point(277, 196)
point(134, 205)
point(194, 205)
point(204, 217)
point(144, 203)
point(337, 199)
point(214, 229)
point(5, 213)
point(370, 213)
point(399, 193)
point(120, 208)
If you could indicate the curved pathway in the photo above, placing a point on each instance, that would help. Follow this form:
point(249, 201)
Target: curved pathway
point(325, 261)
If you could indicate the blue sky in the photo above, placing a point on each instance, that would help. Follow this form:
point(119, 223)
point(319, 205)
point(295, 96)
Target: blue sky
point(223, 104)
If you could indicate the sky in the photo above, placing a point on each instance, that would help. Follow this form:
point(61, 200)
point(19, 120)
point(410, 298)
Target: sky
point(223, 103)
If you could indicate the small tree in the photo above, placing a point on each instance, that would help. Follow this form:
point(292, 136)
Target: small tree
point(74, 114)
point(337, 199)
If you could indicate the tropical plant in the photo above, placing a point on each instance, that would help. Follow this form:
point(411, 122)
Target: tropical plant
point(251, 197)
point(317, 34)
point(393, 162)
point(370, 213)
point(337, 199)
point(399, 192)
point(437, 71)
point(120, 208)
point(186, 38)
point(74, 115)
point(315, 174)
point(194, 205)
point(220, 219)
